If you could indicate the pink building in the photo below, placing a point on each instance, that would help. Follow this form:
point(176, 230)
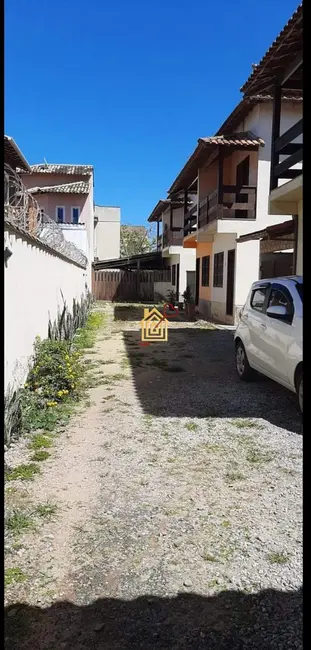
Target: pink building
point(65, 194)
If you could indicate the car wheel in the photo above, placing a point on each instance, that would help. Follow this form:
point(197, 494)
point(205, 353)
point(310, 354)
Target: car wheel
point(244, 370)
point(299, 389)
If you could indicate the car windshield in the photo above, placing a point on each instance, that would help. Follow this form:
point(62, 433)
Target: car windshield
point(300, 290)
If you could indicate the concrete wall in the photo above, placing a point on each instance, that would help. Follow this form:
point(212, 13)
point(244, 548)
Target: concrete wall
point(107, 232)
point(203, 249)
point(34, 278)
point(186, 259)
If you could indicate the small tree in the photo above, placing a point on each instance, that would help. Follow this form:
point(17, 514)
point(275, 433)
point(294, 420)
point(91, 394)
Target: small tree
point(135, 240)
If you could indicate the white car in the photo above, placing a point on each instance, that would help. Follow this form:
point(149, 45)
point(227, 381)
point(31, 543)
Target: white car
point(268, 338)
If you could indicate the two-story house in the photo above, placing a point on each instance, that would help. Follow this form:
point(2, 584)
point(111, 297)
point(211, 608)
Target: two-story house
point(229, 174)
point(65, 194)
point(169, 216)
point(280, 73)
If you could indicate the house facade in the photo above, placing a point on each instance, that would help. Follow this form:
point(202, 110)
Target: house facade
point(107, 221)
point(229, 176)
point(285, 136)
point(169, 217)
point(65, 194)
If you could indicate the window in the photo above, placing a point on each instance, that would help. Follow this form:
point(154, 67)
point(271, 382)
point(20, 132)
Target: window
point(174, 275)
point(75, 213)
point(218, 270)
point(258, 298)
point(205, 270)
point(60, 214)
point(278, 298)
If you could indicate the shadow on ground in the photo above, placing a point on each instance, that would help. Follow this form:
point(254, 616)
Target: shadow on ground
point(232, 620)
point(194, 375)
point(136, 312)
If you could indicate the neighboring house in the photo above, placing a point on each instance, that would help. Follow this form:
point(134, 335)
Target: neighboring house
point(229, 175)
point(279, 73)
point(170, 214)
point(13, 155)
point(106, 232)
point(65, 194)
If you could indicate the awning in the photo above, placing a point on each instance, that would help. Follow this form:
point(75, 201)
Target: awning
point(277, 231)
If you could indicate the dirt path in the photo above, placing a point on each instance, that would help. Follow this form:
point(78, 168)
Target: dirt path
point(178, 495)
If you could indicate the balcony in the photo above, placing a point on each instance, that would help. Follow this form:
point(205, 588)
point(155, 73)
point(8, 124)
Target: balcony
point(159, 242)
point(191, 221)
point(285, 146)
point(172, 237)
point(216, 206)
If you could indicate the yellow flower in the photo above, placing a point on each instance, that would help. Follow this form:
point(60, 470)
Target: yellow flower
point(60, 393)
point(72, 385)
point(26, 385)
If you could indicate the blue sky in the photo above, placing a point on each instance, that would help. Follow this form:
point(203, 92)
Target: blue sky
point(129, 85)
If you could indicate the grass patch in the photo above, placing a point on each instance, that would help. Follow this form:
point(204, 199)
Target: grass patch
point(40, 441)
point(226, 524)
point(246, 424)
point(24, 472)
point(40, 455)
point(278, 558)
point(191, 426)
point(14, 575)
point(46, 510)
point(17, 522)
point(85, 338)
point(209, 558)
point(256, 456)
point(234, 476)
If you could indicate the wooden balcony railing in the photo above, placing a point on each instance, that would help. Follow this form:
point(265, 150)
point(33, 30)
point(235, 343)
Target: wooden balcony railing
point(233, 203)
point(190, 220)
point(173, 237)
point(284, 146)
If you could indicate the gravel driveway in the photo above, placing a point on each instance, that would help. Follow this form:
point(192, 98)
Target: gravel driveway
point(179, 499)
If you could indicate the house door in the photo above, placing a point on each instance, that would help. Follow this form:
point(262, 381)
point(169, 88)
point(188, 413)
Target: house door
point(230, 282)
point(197, 280)
point(242, 178)
point(177, 282)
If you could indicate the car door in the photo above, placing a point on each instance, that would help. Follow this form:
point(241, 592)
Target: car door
point(256, 320)
point(276, 337)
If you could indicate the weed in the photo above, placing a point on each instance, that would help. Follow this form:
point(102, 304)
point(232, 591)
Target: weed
point(17, 522)
point(209, 558)
point(257, 456)
point(171, 460)
point(191, 426)
point(85, 338)
point(234, 476)
point(40, 455)
point(246, 424)
point(13, 575)
point(46, 510)
point(226, 523)
point(40, 441)
point(107, 397)
point(110, 409)
point(278, 558)
point(24, 472)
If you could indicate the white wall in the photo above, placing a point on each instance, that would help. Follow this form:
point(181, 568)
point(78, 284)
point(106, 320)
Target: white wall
point(76, 234)
point(107, 232)
point(186, 260)
point(246, 269)
point(34, 278)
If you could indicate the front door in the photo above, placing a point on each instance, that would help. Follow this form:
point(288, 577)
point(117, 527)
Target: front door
point(242, 178)
point(197, 280)
point(230, 282)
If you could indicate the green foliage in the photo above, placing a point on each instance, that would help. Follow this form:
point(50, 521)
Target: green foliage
point(55, 371)
point(187, 296)
point(24, 472)
point(40, 455)
point(12, 414)
point(136, 240)
point(15, 574)
point(67, 323)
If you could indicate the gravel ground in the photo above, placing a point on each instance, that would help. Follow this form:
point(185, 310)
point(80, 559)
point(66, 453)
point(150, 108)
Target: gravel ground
point(179, 521)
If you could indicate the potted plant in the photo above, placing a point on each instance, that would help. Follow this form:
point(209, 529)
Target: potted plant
point(171, 296)
point(189, 303)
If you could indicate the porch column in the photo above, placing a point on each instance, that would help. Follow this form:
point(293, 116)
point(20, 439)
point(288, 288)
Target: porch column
point(220, 183)
point(276, 121)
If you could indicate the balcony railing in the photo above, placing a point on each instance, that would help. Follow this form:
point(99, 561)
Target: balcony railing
point(234, 203)
point(190, 220)
point(284, 146)
point(173, 237)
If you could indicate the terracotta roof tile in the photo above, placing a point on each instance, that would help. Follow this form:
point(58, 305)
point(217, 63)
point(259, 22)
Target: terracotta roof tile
point(46, 168)
point(246, 139)
point(80, 187)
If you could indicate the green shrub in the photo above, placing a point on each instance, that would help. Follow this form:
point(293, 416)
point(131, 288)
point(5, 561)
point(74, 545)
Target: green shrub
point(55, 372)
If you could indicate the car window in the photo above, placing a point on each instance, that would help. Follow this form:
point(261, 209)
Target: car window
point(258, 298)
point(279, 298)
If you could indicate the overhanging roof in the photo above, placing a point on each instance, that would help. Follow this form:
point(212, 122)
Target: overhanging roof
point(245, 140)
point(151, 260)
point(240, 112)
point(277, 231)
point(80, 187)
point(280, 54)
point(13, 155)
point(162, 205)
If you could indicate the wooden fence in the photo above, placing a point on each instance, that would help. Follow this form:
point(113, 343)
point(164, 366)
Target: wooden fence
point(131, 286)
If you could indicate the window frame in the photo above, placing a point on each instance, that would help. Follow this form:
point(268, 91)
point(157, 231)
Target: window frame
point(265, 288)
point(205, 270)
point(60, 207)
point(75, 207)
point(220, 283)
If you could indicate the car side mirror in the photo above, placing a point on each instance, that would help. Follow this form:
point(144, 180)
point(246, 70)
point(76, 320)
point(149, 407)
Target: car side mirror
point(278, 311)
